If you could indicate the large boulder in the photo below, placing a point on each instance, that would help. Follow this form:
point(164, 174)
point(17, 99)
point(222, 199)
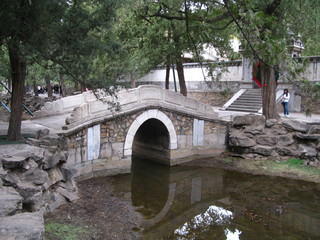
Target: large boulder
point(296, 126)
point(254, 130)
point(302, 136)
point(267, 140)
point(285, 140)
point(306, 152)
point(251, 119)
point(285, 151)
point(10, 201)
point(239, 139)
point(314, 129)
point(13, 162)
point(23, 226)
point(262, 150)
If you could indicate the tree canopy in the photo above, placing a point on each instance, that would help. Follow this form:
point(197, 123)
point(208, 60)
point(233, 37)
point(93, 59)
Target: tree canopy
point(70, 33)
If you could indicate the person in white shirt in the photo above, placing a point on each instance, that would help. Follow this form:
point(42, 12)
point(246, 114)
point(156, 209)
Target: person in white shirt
point(285, 102)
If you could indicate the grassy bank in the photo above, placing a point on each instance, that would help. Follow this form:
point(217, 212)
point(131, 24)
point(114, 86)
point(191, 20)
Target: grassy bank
point(291, 168)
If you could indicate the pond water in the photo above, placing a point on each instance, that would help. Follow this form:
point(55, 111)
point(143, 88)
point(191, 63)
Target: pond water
point(187, 202)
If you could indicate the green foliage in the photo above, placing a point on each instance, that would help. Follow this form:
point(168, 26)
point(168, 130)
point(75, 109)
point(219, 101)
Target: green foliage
point(311, 92)
point(226, 92)
point(69, 34)
point(293, 162)
point(58, 231)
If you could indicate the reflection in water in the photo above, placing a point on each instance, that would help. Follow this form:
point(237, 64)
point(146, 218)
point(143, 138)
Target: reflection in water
point(144, 190)
point(185, 202)
point(213, 215)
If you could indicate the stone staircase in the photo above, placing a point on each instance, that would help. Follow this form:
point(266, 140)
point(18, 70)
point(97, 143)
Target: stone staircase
point(249, 101)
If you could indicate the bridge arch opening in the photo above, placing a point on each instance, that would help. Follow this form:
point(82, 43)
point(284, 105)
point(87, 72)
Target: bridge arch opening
point(152, 141)
point(152, 135)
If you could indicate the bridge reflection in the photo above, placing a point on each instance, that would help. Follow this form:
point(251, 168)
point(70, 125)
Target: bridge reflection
point(186, 202)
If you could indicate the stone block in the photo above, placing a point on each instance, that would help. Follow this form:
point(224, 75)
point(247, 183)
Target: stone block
point(55, 201)
point(250, 119)
point(285, 151)
point(12, 162)
point(182, 141)
point(314, 129)
point(84, 172)
point(142, 118)
point(270, 123)
point(35, 175)
point(52, 160)
point(267, 140)
point(211, 139)
point(70, 196)
point(10, 201)
point(191, 103)
point(174, 98)
point(296, 126)
point(68, 172)
point(285, 140)
point(302, 136)
point(306, 152)
point(97, 106)
point(55, 175)
point(117, 149)
point(150, 93)
point(152, 113)
point(128, 97)
point(23, 226)
point(254, 130)
point(42, 133)
point(262, 150)
point(106, 150)
point(72, 101)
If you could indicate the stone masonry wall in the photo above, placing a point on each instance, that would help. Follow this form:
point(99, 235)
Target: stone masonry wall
point(254, 137)
point(34, 178)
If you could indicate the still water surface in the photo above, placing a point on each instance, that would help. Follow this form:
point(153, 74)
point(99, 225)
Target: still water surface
point(187, 202)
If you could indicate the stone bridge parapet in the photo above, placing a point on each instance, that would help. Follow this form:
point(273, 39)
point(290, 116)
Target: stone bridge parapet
point(146, 96)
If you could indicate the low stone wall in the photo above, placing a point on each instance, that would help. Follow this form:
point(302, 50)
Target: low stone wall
point(254, 137)
point(66, 104)
point(33, 180)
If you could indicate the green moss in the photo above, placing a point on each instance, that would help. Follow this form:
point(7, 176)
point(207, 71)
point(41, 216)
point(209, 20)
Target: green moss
point(58, 231)
point(293, 162)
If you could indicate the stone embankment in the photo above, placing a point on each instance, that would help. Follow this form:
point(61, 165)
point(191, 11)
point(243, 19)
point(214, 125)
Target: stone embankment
point(34, 179)
point(33, 103)
point(252, 136)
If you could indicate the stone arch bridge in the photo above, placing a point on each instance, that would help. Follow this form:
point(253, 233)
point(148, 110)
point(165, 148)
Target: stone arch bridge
point(153, 123)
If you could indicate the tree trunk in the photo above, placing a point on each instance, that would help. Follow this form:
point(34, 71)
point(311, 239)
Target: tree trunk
point(63, 91)
point(48, 84)
point(9, 83)
point(167, 76)
point(178, 59)
point(182, 82)
point(269, 86)
point(18, 64)
point(132, 79)
point(35, 88)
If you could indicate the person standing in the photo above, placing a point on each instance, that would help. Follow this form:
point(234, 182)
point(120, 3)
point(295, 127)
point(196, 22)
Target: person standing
point(285, 102)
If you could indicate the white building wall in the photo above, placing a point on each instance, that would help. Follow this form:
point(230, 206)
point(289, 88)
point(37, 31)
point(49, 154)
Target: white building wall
point(233, 75)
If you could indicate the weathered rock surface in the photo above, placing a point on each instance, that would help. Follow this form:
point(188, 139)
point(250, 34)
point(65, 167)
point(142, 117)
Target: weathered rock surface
point(23, 226)
point(32, 180)
point(253, 136)
point(251, 119)
point(296, 126)
point(10, 201)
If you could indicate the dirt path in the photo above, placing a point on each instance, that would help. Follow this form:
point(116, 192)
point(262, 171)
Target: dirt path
point(98, 212)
